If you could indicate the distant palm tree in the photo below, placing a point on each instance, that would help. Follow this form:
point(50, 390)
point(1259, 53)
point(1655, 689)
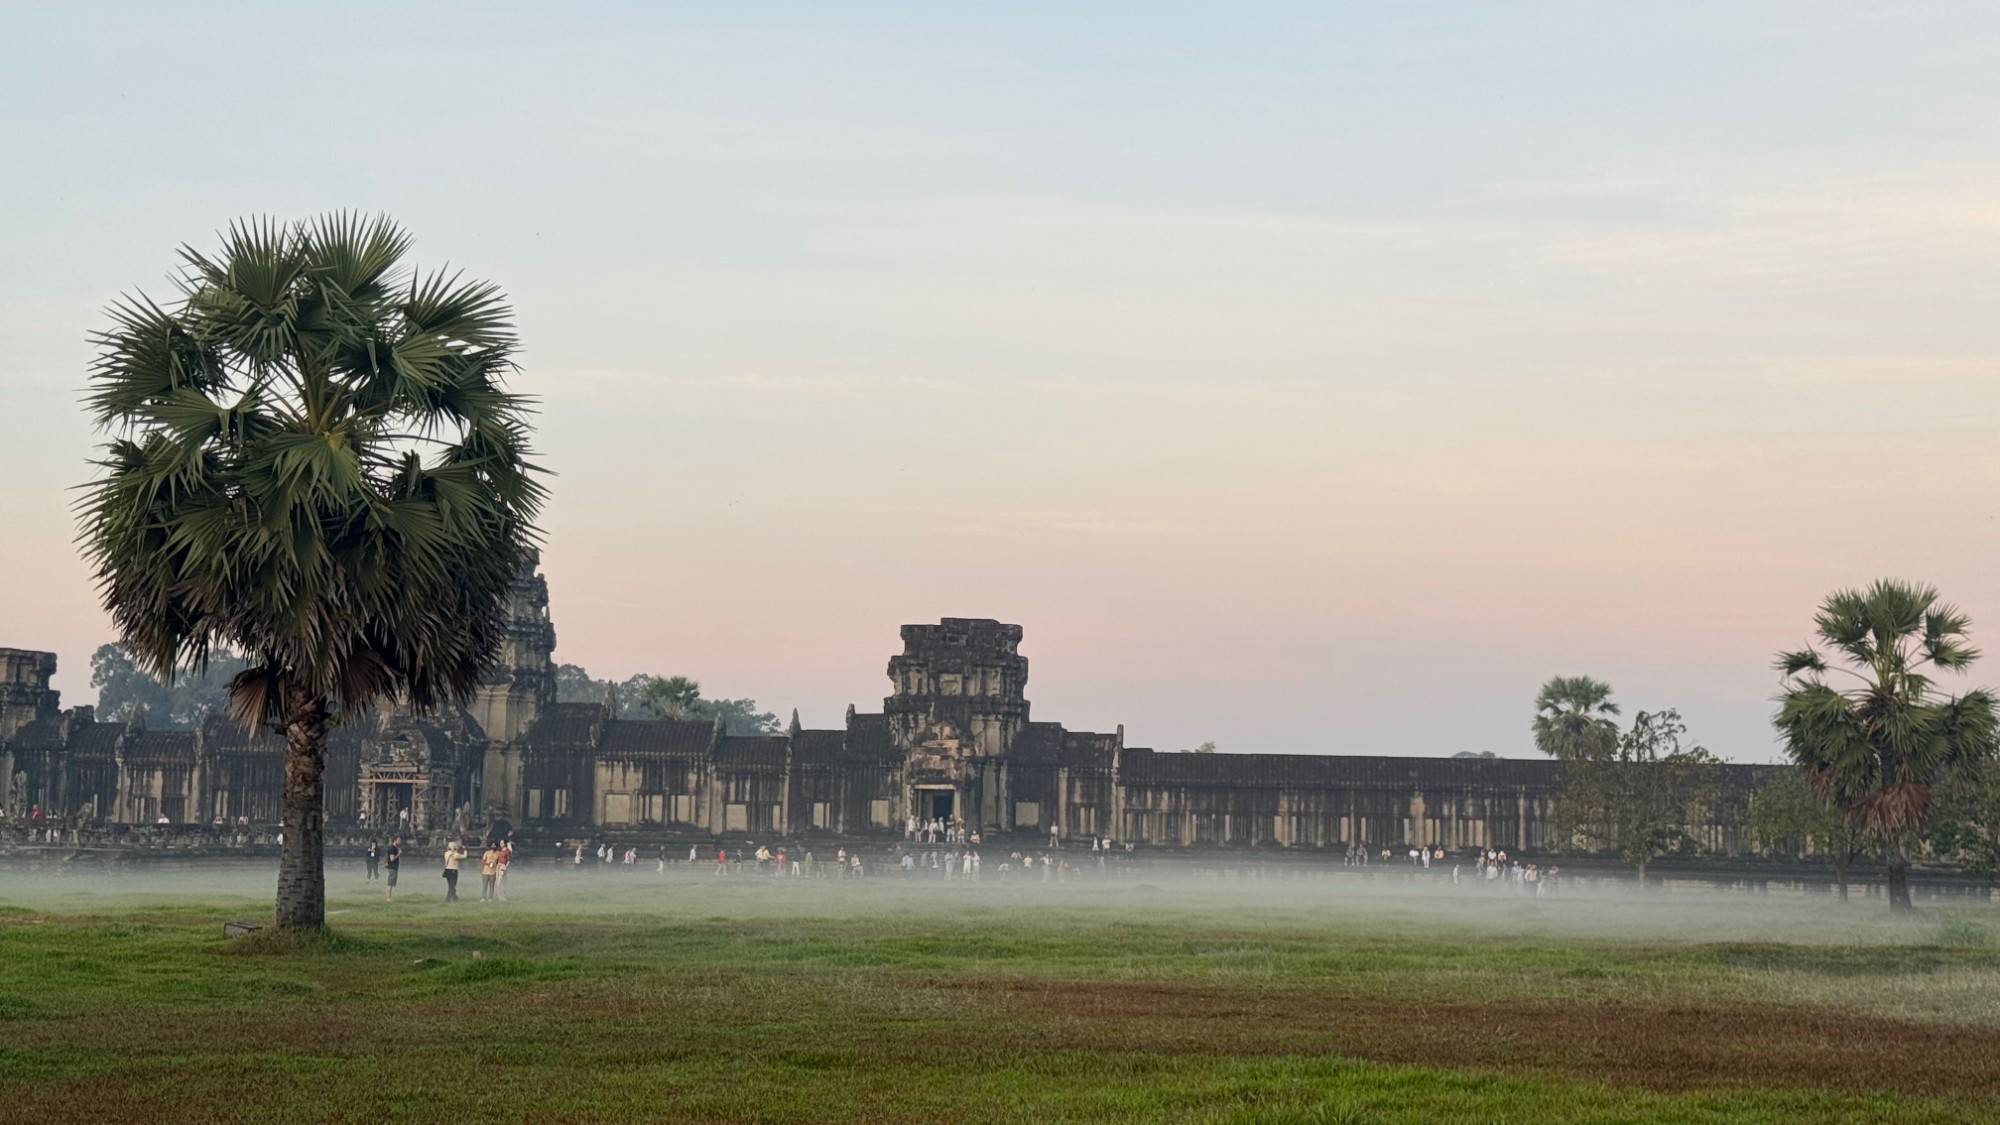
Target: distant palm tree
point(314, 463)
point(1875, 750)
point(670, 697)
point(1573, 718)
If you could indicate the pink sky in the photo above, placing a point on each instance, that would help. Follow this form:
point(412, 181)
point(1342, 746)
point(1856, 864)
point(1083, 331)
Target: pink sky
point(1312, 382)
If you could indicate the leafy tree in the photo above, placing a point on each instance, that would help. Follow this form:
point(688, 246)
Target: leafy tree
point(1965, 819)
point(574, 685)
point(1464, 754)
point(739, 716)
point(1876, 748)
point(1786, 816)
point(1573, 718)
point(314, 463)
point(664, 697)
point(1641, 796)
point(125, 691)
point(1204, 748)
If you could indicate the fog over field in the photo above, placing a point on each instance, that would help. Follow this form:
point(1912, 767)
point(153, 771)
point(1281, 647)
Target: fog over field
point(1387, 900)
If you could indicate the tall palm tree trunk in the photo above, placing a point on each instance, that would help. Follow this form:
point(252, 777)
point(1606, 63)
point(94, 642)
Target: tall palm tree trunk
point(1896, 866)
point(301, 873)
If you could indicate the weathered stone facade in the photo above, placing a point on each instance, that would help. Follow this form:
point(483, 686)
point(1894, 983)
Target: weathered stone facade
point(953, 739)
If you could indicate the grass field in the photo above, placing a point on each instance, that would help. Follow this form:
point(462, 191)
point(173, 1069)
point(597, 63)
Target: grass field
point(631, 997)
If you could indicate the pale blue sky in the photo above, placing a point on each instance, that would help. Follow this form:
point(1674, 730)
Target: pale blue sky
point(1301, 377)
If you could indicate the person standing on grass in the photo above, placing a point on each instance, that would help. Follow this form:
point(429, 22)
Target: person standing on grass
point(506, 861)
point(392, 860)
point(489, 872)
point(373, 858)
point(453, 852)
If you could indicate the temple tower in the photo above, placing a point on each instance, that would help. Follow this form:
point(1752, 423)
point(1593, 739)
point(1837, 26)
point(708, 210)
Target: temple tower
point(25, 695)
point(523, 680)
point(963, 680)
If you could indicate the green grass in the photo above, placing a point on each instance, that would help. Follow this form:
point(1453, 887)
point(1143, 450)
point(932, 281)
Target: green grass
point(630, 998)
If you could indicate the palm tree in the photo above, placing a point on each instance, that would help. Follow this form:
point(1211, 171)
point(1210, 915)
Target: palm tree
point(1573, 718)
point(314, 462)
point(670, 697)
point(1875, 748)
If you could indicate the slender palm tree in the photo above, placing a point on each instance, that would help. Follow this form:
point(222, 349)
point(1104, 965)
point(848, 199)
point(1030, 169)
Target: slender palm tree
point(1574, 718)
point(1876, 745)
point(314, 462)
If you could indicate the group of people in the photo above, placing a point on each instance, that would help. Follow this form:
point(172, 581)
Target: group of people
point(386, 863)
point(782, 862)
point(940, 830)
point(1492, 865)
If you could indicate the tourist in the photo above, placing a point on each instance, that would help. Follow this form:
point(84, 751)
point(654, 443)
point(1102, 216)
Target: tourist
point(500, 880)
point(373, 859)
point(854, 861)
point(453, 852)
point(909, 864)
point(491, 873)
point(721, 861)
point(391, 861)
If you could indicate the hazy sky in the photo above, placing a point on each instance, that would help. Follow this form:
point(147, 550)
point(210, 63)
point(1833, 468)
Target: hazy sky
point(1301, 377)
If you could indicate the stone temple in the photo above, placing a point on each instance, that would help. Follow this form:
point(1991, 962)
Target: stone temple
point(954, 738)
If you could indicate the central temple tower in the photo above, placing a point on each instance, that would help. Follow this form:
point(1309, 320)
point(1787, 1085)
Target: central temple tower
point(960, 684)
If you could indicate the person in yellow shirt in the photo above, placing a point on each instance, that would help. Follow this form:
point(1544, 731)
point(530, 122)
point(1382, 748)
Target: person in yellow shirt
point(453, 852)
point(489, 871)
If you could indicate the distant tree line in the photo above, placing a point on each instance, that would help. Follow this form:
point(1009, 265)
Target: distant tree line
point(663, 697)
point(127, 692)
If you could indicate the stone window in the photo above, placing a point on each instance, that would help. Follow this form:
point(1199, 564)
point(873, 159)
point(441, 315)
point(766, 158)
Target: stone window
point(618, 808)
point(878, 814)
point(822, 814)
point(950, 684)
point(1027, 814)
point(735, 818)
point(683, 808)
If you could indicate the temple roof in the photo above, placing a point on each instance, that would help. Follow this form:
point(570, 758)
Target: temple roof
point(754, 753)
point(565, 726)
point(1255, 771)
point(818, 747)
point(159, 746)
point(656, 738)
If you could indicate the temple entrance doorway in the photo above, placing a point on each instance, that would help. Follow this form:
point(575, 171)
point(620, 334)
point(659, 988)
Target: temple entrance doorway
point(391, 810)
point(937, 804)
